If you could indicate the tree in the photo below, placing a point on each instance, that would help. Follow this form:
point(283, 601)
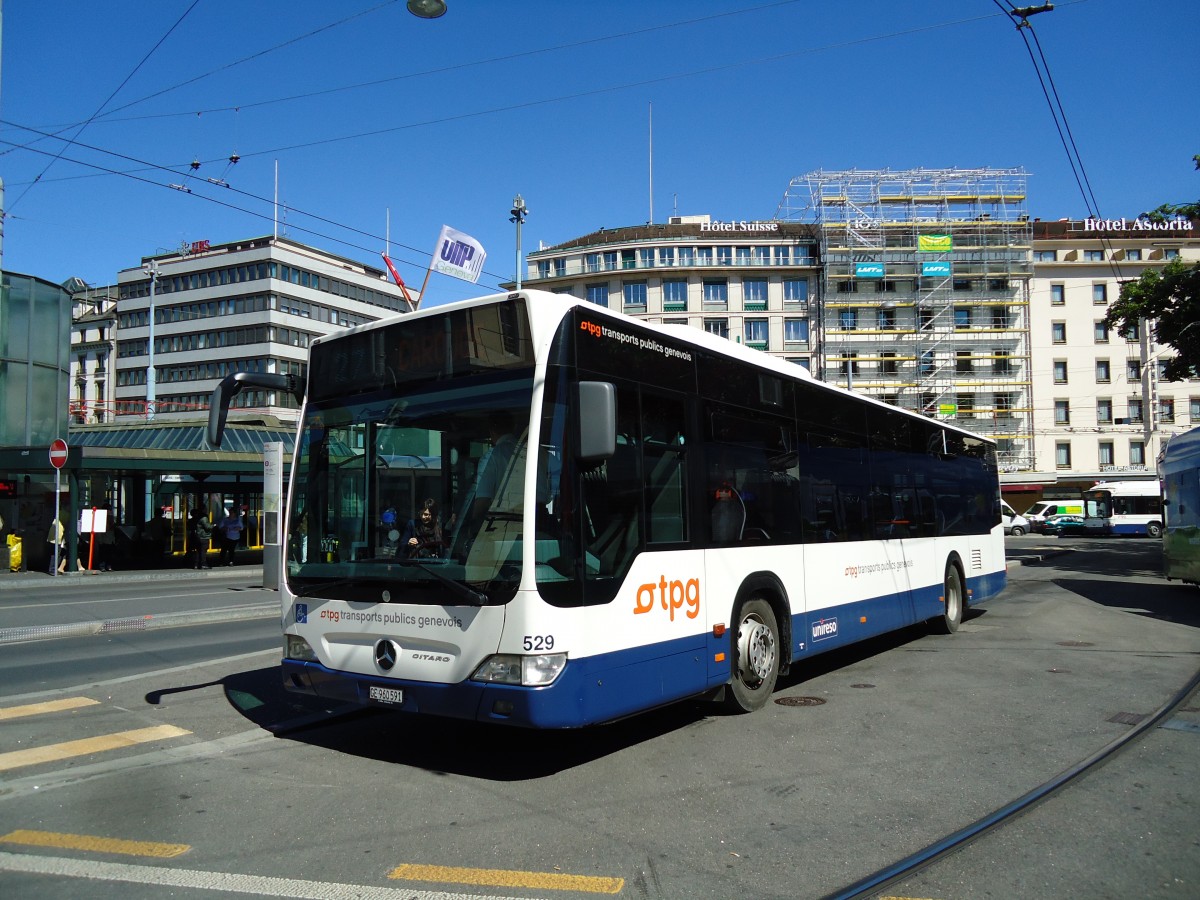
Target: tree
point(1170, 297)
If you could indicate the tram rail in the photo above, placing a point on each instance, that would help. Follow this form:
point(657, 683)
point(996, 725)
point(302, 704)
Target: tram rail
point(880, 880)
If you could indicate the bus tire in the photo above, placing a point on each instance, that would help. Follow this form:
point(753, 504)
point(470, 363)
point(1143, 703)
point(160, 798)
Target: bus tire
point(1154, 529)
point(755, 648)
point(953, 600)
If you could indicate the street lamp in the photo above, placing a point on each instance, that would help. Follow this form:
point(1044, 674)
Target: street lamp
point(151, 269)
point(427, 9)
point(518, 215)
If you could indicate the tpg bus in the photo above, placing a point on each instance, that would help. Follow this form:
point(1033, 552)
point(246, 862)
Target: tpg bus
point(623, 515)
point(1130, 507)
point(1179, 467)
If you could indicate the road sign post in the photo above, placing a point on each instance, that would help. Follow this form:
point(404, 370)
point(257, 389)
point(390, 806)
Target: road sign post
point(58, 459)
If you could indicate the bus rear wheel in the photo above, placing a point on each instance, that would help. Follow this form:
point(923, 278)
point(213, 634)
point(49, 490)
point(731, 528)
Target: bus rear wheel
point(755, 656)
point(953, 596)
point(1154, 529)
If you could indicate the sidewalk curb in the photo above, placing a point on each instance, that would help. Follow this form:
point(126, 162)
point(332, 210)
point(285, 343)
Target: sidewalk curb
point(21, 581)
point(136, 623)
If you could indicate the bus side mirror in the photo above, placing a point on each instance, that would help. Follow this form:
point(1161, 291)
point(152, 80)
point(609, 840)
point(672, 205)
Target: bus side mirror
point(231, 385)
point(597, 410)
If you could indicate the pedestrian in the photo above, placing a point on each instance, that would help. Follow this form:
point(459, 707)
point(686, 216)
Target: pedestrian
point(108, 539)
point(231, 532)
point(57, 536)
point(199, 535)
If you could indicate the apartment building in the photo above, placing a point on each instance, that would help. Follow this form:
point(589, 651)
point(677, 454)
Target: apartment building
point(1103, 410)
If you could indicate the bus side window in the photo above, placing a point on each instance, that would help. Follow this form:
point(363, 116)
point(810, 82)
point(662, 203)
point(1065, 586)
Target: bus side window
point(664, 455)
point(752, 462)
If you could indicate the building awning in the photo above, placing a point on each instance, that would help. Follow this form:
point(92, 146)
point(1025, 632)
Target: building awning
point(167, 448)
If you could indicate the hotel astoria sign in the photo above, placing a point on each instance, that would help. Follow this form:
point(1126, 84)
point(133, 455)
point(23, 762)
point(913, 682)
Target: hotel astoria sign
point(1142, 223)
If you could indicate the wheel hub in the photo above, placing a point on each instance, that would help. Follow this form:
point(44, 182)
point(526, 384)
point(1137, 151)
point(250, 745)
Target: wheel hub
point(756, 650)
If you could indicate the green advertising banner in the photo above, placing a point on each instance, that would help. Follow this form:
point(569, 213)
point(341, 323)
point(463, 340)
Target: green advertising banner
point(934, 243)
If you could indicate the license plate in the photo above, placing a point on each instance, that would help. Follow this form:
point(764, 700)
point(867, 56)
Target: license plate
point(385, 695)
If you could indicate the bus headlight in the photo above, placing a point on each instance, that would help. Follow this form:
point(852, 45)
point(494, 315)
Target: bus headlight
point(528, 671)
point(296, 647)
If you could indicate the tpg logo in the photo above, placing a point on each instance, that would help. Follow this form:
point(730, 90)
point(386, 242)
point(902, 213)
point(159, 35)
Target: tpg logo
point(823, 629)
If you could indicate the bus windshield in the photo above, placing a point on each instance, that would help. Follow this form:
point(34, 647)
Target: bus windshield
point(409, 488)
point(398, 492)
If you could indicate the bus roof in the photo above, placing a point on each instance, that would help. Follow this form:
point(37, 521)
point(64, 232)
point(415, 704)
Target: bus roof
point(1145, 488)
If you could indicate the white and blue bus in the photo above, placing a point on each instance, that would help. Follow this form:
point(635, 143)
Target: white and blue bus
point(1179, 466)
point(1129, 507)
point(622, 515)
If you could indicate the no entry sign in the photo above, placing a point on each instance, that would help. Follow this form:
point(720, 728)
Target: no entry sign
point(58, 453)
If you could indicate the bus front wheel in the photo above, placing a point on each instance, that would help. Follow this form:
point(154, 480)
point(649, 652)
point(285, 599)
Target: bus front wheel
point(755, 657)
point(952, 598)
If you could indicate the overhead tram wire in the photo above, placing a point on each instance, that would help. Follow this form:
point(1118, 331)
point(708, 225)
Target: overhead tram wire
point(181, 172)
point(231, 206)
point(604, 90)
point(594, 92)
point(428, 72)
point(1019, 16)
point(107, 117)
point(100, 108)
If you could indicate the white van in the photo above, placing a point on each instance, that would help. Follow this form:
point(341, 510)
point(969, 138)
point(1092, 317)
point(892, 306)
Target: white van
point(1043, 509)
point(1014, 523)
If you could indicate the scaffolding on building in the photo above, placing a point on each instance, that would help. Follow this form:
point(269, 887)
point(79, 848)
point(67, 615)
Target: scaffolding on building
point(924, 295)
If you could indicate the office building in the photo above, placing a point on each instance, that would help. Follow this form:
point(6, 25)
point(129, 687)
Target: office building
point(248, 306)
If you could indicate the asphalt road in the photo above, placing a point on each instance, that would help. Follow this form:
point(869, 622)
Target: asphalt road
point(910, 737)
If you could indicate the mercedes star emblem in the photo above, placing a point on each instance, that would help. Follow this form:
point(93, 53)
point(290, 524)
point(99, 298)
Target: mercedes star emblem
point(386, 654)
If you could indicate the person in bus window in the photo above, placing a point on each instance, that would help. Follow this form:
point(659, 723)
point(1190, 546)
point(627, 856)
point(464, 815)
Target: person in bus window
point(423, 535)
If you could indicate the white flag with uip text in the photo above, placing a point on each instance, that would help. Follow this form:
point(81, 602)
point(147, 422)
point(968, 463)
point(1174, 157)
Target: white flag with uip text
point(459, 255)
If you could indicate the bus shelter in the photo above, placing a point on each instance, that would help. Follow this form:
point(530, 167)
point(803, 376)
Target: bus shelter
point(148, 477)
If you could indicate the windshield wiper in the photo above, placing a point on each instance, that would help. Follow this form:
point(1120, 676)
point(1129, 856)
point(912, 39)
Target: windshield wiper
point(465, 591)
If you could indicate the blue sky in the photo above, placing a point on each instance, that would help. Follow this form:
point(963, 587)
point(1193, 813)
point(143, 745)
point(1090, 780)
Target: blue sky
point(370, 113)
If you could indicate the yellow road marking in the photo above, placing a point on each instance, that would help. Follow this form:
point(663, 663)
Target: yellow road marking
point(508, 878)
point(94, 844)
point(54, 752)
point(34, 709)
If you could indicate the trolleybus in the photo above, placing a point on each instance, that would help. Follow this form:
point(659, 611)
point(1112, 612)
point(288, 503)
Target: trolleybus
point(1130, 507)
point(1179, 468)
point(624, 515)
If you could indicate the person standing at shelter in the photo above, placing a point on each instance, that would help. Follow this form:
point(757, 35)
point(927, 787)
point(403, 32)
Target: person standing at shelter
point(199, 534)
point(57, 536)
point(107, 542)
point(231, 532)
